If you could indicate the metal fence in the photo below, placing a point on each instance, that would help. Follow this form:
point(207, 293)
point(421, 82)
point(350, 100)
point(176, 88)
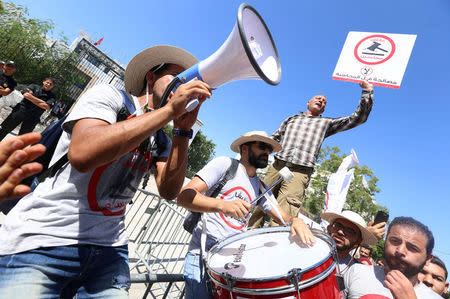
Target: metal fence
point(158, 244)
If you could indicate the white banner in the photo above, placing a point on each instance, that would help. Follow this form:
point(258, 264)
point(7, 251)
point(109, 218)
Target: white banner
point(380, 58)
point(338, 185)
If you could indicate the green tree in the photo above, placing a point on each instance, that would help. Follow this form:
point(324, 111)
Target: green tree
point(378, 250)
point(200, 152)
point(26, 41)
point(359, 198)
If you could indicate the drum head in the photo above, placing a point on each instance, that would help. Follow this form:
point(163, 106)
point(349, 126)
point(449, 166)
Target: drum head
point(266, 253)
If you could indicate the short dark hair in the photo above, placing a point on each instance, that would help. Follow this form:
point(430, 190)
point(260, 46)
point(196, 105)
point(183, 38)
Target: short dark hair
point(49, 78)
point(437, 261)
point(411, 222)
point(367, 246)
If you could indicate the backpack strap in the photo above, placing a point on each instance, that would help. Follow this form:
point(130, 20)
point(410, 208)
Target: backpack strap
point(192, 218)
point(51, 137)
point(230, 174)
point(127, 102)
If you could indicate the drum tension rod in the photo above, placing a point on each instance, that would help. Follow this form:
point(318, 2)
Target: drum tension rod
point(294, 277)
point(229, 280)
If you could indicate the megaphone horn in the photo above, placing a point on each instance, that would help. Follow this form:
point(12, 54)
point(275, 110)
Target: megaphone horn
point(248, 53)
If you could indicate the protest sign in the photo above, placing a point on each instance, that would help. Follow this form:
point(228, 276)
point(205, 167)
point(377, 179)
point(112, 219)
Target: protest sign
point(380, 58)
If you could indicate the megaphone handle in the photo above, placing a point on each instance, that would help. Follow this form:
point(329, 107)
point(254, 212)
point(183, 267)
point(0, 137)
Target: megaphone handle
point(191, 105)
point(175, 81)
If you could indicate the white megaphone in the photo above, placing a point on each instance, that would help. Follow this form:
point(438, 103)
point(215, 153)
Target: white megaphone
point(248, 53)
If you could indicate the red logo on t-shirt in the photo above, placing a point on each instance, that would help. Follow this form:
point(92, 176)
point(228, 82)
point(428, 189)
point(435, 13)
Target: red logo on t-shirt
point(223, 196)
point(373, 296)
point(119, 186)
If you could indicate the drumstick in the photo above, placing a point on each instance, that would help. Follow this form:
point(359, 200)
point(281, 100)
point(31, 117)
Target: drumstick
point(286, 175)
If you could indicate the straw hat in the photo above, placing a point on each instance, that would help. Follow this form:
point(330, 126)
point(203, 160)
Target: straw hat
point(254, 136)
point(153, 56)
point(356, 219)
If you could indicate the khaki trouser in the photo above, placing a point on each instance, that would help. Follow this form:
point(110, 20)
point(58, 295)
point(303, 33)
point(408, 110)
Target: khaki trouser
point(289, 195)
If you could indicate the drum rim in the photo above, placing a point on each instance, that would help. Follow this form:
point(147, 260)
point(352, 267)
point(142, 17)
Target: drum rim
point(281, 289)
point(318, 233)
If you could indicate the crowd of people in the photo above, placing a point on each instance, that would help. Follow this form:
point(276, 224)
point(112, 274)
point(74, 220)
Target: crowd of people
point(67, 238)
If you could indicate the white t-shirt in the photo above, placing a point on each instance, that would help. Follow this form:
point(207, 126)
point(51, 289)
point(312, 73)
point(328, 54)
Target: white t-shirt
point(344, 264)
point(73, 207)
point(363, 281)
point(220, 226)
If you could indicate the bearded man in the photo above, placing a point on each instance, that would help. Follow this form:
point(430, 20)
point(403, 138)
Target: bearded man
point(408, 248)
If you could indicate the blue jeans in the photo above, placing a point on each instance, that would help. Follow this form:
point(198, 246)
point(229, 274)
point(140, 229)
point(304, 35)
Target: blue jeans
point(195, 278)
point(87, 271)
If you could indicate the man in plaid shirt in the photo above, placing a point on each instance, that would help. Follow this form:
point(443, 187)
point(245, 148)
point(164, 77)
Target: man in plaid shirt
point(301, 136)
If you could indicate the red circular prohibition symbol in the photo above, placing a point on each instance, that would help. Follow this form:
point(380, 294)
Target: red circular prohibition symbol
point(92, 193)
point(377, 62)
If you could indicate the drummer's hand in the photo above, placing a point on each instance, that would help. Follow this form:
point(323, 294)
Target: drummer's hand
point(302, 231)
point(235, 208)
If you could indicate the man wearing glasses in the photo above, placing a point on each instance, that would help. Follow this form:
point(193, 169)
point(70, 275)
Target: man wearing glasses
point(227, 209)
point(348, 230)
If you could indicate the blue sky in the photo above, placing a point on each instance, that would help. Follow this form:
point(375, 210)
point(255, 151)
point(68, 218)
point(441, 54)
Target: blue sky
point(406, 139)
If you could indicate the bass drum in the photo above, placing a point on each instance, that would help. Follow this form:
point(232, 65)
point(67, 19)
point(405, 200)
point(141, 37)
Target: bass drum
point(268, 263)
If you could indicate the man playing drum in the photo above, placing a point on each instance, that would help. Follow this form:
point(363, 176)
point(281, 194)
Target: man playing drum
point(348, 231)
point(231, 204)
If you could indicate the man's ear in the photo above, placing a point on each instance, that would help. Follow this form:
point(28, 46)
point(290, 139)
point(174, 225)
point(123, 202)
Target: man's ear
point(150, 79)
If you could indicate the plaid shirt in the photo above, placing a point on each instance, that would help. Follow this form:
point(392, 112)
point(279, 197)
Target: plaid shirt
point(302, 135)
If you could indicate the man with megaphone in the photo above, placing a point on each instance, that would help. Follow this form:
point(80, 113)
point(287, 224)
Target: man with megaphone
point(68, 236)
point(301, 136)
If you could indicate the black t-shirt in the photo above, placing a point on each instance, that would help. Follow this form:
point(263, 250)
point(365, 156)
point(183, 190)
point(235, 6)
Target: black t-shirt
point(38, 92)
point(7, 81)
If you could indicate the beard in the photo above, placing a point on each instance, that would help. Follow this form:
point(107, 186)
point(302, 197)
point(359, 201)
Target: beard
point(341, 247)
point(344, 247)
point(257, 161)
point(396, 263)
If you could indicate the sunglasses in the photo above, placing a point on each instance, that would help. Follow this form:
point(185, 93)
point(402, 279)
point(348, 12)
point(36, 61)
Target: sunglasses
point(263, 146)
point(348, 231)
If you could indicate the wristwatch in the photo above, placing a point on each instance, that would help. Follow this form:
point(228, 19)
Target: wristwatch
point(183, 133)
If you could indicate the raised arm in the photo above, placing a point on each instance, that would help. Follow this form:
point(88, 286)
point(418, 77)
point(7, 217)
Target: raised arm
point(359, 116)
point(95, 142)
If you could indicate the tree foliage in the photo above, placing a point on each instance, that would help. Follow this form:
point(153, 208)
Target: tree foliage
point(26, 41)
point(200, 152)
point(378, 250)
point(359, 198)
